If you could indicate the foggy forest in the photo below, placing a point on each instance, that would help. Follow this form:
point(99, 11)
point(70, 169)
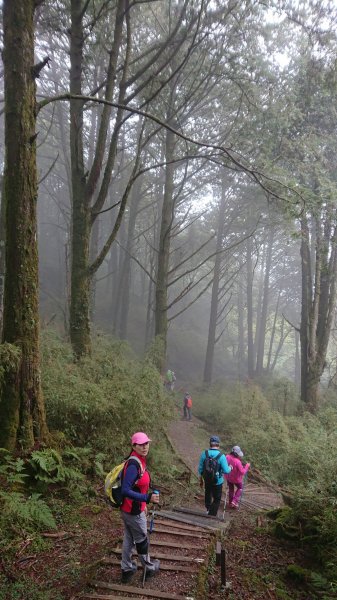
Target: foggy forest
point(168, 202)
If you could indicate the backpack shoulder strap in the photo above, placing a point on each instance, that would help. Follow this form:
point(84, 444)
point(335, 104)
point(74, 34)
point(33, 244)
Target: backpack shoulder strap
point(139, 462)
point(206, 453)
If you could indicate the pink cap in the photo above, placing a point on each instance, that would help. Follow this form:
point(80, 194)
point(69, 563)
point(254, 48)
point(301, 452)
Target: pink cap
point(140, 438)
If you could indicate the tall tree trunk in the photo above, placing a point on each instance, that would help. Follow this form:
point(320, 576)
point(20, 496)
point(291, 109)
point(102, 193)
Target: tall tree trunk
point(264, 309)
point(80, 234)
point(22, 411)
point(84, 184)
point(259, 288)
point(273, 334)
point(164, 250)
point(318, 300)
point(113, 283)
point(215, 289)
point(94, 240)
point(306, 300)
point(2, 255)
point(126, 267)
point(241, 344)
point(297, 367)
point(250, 353)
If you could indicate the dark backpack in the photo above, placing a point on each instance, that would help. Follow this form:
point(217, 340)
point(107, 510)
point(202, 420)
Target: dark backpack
point(211, 468)
point(114, 480)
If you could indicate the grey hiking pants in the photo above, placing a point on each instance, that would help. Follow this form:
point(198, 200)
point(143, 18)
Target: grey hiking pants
point(135, 534)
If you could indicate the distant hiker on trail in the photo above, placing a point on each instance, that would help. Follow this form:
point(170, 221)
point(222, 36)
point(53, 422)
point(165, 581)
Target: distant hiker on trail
point(235, 477)
point(187, 407)
point(212, 466)
point(170, 379)
point(135, 492)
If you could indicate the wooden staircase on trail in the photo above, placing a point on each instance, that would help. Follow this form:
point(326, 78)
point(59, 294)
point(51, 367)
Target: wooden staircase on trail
point(183, 540)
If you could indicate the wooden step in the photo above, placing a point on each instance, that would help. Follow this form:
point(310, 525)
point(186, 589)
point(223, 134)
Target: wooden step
point(138, 591)
point(163, 567)
point(179, 533)
point(175, 557)
point(180, 525)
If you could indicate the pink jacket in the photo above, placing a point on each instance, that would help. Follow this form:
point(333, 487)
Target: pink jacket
point(238, 471)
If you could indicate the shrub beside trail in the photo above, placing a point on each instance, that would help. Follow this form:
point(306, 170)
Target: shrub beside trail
point(101, 399)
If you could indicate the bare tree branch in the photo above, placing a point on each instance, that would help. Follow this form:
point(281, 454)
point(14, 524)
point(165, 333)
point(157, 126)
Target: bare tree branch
point(234, 157)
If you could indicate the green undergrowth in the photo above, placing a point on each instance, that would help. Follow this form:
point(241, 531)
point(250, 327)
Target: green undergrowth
point(296, 451)
point(93, 406)
point(104, 398)
point(25, 589)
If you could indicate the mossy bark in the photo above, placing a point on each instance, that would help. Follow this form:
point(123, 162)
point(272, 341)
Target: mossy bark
point(2, 255)
point(81, 225)
point(22, 412)
point(319, 295)
point(85, 182)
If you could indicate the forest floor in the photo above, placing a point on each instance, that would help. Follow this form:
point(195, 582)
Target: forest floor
point(63, 566)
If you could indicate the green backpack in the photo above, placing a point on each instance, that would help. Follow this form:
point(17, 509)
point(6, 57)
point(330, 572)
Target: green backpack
point(113, 481)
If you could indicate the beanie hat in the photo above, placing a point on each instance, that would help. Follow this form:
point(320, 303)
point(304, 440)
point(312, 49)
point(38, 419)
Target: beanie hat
point(237, 450)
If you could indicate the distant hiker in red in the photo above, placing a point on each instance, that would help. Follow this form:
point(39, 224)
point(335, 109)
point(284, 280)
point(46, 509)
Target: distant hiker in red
point(235, 477)
point(187, 407)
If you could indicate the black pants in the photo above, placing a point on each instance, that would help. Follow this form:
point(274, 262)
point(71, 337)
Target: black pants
point(213, 498)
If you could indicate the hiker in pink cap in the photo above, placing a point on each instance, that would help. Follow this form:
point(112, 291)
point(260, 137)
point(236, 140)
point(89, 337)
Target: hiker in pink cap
point(136, 483)
point(235, 477)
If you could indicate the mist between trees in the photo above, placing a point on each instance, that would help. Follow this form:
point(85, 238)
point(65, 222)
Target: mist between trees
point(176, 182)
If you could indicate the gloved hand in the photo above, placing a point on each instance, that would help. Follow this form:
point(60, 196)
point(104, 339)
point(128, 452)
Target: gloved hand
point(155, 497)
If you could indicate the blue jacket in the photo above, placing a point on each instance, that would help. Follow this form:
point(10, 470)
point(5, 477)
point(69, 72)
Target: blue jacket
point(223, 464)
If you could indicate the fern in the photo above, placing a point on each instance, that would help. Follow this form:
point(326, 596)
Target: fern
point(98, 465)
point(25, 511)
point(49, 467)
point(12, 470)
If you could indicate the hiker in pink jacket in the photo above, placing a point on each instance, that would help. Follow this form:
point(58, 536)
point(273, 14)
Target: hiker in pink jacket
point(235, 477)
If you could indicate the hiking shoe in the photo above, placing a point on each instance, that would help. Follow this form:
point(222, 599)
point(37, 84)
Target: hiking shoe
point(127, 576)
point(152, 572)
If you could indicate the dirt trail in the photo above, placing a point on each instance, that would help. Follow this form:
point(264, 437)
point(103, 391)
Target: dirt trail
point(256, 561)
point(183, 436)
point(189, 438)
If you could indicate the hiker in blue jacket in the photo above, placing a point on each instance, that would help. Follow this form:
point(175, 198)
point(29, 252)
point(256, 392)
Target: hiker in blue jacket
point(212, 467)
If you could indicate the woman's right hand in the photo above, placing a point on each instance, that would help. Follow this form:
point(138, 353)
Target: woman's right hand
point(155, 498)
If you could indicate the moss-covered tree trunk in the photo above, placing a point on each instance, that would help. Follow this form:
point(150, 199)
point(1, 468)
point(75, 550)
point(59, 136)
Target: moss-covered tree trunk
point(81, 224)
point(22, 413)
point(319, 295)
point(2, 255)
point(88, 184)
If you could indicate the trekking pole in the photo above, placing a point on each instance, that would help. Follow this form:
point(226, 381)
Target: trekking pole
point(225, 504)
point(153, 513)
